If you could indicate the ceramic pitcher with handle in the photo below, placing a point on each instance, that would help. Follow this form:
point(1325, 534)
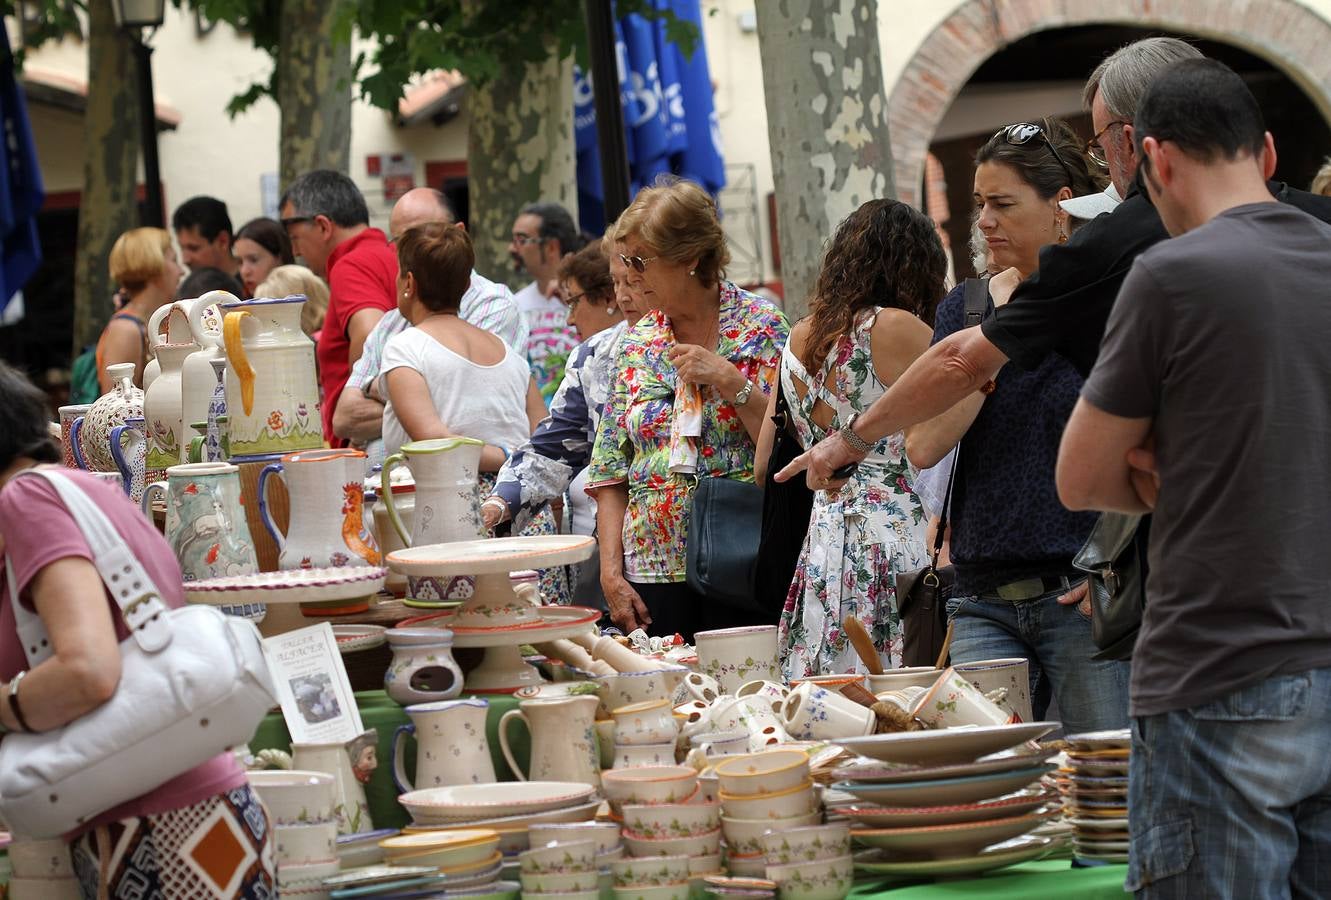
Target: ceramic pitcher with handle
point(351, 765)
point(327, 502)
point(162, 410)
point(563, 739)
point(451, 747)
point(447, 505)
point(129, 448)
point(197, 379)
point(205, 523)
point(272, 392)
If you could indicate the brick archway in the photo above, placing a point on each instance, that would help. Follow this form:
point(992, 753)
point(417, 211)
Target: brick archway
point(1286, 34)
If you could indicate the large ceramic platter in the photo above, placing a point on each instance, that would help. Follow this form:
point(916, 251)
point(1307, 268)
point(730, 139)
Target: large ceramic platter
point(885, 773)
point(946, 791)
point(556, 622)
point(908, 816)
point(288, 586)
point(456, 804)
point(513, 829)
point(948, 841)
point(1010, 853)
point(492, 556)
point(945, 745)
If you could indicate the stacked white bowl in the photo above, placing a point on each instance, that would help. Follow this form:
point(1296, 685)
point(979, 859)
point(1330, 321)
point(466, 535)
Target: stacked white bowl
point(300, 806)
point(646, 734)
point(561, 872)
point(606, 835)
point(759, 793)
point(810, 863)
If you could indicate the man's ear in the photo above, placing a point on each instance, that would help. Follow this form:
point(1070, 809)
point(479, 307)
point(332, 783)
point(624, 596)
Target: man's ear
point(1130, 152)
point(1268, 161)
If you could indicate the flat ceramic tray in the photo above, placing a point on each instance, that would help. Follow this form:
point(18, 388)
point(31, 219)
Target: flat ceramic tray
point(288, 586)
point(1017, 851)
point(946, 745)
point(1101, 740)
point(492, 556)
point(947, 791)
point(886, 773)
point(948, 841)
point(907, 816)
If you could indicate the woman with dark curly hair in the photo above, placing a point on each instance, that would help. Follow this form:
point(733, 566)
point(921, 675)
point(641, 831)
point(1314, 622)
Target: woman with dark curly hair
point(881, 279)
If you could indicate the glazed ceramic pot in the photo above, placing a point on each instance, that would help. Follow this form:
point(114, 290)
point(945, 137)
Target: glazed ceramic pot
point(161, 408)
point(272, 392)
point(217, 416)
point(205, 522)
point(327, 503)
point(129, 449)
point(123, 401)
point(68, 415)
point(423, 668)
point(351, 765)
point(563, 739)
point(451, 746)
point(735, 655)
point(447, 505)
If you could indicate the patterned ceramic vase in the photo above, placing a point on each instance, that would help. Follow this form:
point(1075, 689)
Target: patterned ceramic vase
point(327, 502)
point(124, 401)
point(216, 410)
point(272, 392)
point(205, 522)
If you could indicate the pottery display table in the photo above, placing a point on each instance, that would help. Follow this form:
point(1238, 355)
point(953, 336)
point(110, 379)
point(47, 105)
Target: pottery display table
point(1051, 879)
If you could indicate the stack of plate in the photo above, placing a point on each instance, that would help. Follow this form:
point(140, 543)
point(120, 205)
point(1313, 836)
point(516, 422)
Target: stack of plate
point(1096, 794)
point(947, 802)
point(508, 808)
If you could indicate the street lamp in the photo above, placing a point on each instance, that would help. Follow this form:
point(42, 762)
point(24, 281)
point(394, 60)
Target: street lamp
point(132, 17)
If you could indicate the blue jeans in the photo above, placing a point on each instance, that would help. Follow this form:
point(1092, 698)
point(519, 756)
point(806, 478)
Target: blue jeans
point(1092, 695)
point(1233, 798)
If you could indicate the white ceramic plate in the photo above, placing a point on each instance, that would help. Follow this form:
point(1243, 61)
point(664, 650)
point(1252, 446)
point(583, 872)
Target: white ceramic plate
point(907, 816)
point(1010, 853)
point(872, 772)
point(476, 801)
point(1101, 740)
point(1100, 824)
point(353, 638)
point(288, 586)
point(947, 791)
point(948, 841)
point(946, 745)
point(492, 555)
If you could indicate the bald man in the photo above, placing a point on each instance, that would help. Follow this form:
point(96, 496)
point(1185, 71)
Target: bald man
point(360, 410)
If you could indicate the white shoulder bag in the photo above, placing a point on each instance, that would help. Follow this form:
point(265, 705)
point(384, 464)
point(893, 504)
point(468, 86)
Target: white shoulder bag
point(193, 682)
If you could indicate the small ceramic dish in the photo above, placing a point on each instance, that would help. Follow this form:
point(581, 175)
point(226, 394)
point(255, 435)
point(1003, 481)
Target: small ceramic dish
point(810, 843)
point(467, 802)
point(671, 820)
point(697, 845)
point(354, 638)
point(355, 851)
point(829, 879)
point(769, 772)
point(648, 784)
point(605, 834)
point(442, 849)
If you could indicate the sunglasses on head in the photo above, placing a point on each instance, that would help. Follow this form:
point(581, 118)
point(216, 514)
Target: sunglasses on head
point(637, 263)
point(1023, 133)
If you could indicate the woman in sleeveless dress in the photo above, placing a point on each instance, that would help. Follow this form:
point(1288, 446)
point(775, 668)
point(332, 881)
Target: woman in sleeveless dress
point(880, 281)
point(143, 263)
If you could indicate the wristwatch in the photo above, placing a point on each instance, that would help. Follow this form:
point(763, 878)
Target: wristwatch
point(743, 396)
point(857, 443)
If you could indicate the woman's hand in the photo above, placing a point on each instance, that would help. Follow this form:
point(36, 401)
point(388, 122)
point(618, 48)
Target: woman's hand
point(627, 610)
point(698, 365)
point(1002, 286)
point(493, 511)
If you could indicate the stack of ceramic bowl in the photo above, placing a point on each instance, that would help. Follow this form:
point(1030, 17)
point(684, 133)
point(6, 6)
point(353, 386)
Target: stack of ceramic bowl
point(460, 858)
point(643, 785)
point(362, 849)
point(508, 808)
point(933, 802)
point(1096, 794)
point(810, 863)
point(652, 878)
point(768, 791)
point(300, 806)
point(692, 831)
point(566, 871)
point(606, 836)
point(645, 734)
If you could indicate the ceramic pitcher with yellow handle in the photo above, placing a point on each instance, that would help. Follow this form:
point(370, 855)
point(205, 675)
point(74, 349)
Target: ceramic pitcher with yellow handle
point(272, 391)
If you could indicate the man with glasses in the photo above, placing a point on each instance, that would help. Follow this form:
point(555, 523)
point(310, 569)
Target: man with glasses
point(329, 225)
point(543, 234)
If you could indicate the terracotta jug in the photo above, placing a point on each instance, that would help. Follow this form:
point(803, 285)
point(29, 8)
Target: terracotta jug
point(272, 392)
point(451, 747)
point(205, 522)
point(447, 505)
point(123, 401)
point(563, 739)
point(327, 501)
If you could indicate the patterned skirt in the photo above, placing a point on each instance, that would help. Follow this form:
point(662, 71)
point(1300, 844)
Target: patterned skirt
point(218, 848)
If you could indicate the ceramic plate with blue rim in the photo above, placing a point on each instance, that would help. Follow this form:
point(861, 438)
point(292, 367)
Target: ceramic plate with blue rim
point(940, 746)
point(946, 791)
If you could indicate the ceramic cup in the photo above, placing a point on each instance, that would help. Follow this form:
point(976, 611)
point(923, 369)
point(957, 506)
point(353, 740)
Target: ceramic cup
point(628, 756)
point(754, 715)
point(651, 722)
point(953, 701)
point(735, 655)
point(815, 713)
point(775, 694)
point(1011, 675)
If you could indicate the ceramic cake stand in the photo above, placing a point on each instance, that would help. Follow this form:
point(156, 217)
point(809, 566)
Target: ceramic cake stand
point(495, 617)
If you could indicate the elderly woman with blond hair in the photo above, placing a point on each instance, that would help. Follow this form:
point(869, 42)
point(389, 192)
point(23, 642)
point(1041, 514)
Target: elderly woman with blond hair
point(690, 390)
point(143, 262)
point(295, 279)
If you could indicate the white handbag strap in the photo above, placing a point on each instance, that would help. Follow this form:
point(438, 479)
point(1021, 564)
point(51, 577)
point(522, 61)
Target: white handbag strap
point(131, 587)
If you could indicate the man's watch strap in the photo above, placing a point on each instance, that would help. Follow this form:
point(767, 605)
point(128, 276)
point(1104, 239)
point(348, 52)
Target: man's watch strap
point(857, 443)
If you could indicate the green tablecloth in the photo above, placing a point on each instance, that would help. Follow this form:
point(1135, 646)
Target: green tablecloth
point(1052, 879)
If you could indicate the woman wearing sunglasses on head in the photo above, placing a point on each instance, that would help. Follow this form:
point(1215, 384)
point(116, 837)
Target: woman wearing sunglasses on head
point(687, 403)
point(1012, 542)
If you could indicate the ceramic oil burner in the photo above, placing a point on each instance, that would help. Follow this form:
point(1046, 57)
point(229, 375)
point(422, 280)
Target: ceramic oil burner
point(123, 401)
point(775, 694)
point(351, 765)
point(423, 668)
point(272, 391)
point(563, 739)
point(68, 414)
point(1010, 675)
point(451, 747)
point(129, 449)
point(217, 416)
point(327, 503)
point(205, 523)
point(447, 505)
point(735, 655)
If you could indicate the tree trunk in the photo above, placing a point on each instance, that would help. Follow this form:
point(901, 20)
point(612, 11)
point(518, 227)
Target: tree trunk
point(108, 207)
point(826, 124)
point(313, 91)
point(519, 150)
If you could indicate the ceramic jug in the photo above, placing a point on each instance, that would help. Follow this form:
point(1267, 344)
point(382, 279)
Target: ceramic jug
point(447, 505)
point(327, 502)
point(351, 765)
point(272, 391)
point(451, 747)
point(217, 416)
point(123, 401)
point(161, 408)
point(563, 739)
point(129, 448)
point(197, 379)
point(68, 415)
point(205, 522)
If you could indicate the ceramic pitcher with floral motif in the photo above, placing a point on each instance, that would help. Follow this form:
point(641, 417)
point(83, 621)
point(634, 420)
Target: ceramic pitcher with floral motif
point(272, 391)
point(563, 739)
point(451, 747)
point(205, 522)
point(327, 502)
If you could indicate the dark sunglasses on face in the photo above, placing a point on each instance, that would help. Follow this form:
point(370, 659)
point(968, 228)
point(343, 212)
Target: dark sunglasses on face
point(637, 263)
point(1023, 133)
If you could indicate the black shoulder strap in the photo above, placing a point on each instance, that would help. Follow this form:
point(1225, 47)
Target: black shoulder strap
point(977, 301)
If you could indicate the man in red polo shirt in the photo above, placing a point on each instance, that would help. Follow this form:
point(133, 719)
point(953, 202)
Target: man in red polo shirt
point(329, 225)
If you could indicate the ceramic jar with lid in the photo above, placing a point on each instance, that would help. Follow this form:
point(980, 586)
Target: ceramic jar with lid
point(422, 668)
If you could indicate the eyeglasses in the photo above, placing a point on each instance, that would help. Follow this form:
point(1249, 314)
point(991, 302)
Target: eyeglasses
point(296, 220)
point(1095, 150)
point(522, 240)
point(637, 263)
point(572, 300)
point(1023, 132)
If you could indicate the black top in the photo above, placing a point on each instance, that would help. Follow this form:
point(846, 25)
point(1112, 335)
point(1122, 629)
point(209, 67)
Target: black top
point(1064, 306)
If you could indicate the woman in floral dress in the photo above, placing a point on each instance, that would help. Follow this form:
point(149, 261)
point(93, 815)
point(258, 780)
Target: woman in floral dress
point(839, 360)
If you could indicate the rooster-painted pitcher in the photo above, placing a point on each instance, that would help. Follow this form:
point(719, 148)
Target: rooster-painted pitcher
point(327, 501)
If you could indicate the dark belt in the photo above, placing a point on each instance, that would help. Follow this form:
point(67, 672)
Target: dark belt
point(1029, 588)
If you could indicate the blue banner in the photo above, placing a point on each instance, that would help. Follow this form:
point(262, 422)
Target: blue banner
point(21, 190)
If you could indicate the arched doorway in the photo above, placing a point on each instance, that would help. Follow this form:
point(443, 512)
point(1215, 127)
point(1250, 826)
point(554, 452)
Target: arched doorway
point(1282, 35)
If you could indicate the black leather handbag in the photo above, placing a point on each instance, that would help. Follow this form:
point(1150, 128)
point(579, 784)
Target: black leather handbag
point(1114, 560)
point(725, 526)
point(787, 506)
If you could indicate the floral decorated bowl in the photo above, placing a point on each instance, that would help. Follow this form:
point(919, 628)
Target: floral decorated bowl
point(744, 837)
point(769, 772)
point(785, 804)
point(648, 784)
point(829, 879)
point(671, 820)
point(559, 858)
point(560, 883)
point(809, 843)
point(654, 871)
point(703, 844)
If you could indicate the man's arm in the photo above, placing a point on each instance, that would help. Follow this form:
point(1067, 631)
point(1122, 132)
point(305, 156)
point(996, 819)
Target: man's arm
point(359, 328)
point(1093, 470)
point(358, 418)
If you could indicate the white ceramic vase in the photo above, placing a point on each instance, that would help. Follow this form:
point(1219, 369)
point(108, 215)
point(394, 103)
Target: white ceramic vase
point(161, 408)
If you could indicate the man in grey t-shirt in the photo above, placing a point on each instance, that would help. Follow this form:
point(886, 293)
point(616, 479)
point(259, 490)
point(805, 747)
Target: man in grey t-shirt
point(1211, 404)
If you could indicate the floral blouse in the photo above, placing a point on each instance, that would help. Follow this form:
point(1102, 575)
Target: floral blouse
point(633, 443)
